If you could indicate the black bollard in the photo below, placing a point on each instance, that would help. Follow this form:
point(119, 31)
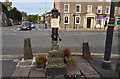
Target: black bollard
point(27, 49)
point(117, 66)
point(86, 50)
point(118, 72)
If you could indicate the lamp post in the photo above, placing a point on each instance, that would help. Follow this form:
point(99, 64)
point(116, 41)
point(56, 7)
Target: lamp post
point(55, 26)
point(45, 19)
point(106, 64)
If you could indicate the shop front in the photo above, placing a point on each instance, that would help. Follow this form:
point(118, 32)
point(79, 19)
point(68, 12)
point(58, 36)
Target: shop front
point(100, 21)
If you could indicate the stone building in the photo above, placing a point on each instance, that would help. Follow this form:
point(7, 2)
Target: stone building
point(0, 14)
point(3, 15)
point(83, 13)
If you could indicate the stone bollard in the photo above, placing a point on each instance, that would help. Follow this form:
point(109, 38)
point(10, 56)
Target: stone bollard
point(86, 50)
point(27, 49)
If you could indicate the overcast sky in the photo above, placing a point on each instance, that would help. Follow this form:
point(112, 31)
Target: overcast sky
point(32, 6)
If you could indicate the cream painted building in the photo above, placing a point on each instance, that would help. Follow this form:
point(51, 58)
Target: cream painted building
point(83, 14)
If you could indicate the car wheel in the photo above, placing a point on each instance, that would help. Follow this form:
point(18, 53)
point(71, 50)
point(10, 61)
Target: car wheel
point(20, 29)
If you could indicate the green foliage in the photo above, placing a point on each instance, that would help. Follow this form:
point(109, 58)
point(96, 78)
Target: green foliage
point(55, 65)
point(8, 5)
point(68, 58)
point(33, 18)
point(38, 62)
point(4, 9)
point(15, 14)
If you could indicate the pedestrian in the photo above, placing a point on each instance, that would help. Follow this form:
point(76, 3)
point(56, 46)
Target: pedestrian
point(45, 26)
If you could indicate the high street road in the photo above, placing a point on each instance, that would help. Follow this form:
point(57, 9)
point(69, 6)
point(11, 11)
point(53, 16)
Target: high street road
point(13, 40)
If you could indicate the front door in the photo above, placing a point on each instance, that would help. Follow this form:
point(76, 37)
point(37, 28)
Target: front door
point(88, 22)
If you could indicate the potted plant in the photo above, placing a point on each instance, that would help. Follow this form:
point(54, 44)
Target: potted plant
point(69, 61)
point(66, 52)
point(40, 61)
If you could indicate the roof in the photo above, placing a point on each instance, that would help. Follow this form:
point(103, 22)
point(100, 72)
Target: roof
point(85, 0)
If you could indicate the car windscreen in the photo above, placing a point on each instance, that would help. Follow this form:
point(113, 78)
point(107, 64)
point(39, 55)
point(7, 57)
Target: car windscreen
point(25, 23)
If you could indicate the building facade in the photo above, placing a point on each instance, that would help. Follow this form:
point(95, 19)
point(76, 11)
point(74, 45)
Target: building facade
point(79, 14)
point(3, 15)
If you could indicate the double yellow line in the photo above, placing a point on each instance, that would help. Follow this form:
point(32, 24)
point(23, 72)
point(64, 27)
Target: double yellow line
point(73, 53)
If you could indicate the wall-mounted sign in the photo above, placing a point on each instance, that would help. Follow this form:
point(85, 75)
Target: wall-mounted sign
point(101, 16)
point(55, 23)
point(118, 21)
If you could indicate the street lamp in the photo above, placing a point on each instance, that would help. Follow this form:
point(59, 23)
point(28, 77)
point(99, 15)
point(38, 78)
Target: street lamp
point(55, 26)
point(106, 64)
point(45, 19)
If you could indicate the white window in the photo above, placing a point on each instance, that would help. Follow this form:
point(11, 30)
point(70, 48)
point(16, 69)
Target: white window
point(99, 10)
point(118, 10)
point(77, 20)
point(66, 8)
point(66, 19)
point(89, 8)
point(107, 11)
point(78, 8)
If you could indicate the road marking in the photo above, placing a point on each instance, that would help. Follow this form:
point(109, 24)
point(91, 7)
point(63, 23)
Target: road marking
point(73, 53)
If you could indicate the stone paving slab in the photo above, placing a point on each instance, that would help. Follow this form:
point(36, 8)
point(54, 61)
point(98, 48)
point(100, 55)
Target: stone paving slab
point(73, 71)
point(85, 67)
point(25, 64)
point(21, 72)
point(97, 64)
point(37, 73)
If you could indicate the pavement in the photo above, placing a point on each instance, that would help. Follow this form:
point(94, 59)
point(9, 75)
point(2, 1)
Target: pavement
point(83, 69)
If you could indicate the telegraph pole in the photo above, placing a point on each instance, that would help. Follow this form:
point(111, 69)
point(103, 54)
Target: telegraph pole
point(106, 64)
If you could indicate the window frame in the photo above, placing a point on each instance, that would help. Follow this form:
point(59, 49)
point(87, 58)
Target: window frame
point(88, 9)
point(79, 8)
point(100, 10)
point(68, 8)
point(106, 10)
point(64, 19)
point(76, 20)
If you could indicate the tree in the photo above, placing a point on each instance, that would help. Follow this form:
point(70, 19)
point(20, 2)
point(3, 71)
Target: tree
point(5, 10)
point(8, 5)
point(15, 14)
point(34, 18)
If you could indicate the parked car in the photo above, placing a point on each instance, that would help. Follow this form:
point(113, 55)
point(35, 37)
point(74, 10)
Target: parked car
point(32, 24)
point(25, 25)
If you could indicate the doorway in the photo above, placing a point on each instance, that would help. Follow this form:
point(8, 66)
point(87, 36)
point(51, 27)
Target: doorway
point(88, 22)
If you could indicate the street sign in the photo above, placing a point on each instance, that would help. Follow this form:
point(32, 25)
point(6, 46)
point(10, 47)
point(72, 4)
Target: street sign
point(55, 23)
